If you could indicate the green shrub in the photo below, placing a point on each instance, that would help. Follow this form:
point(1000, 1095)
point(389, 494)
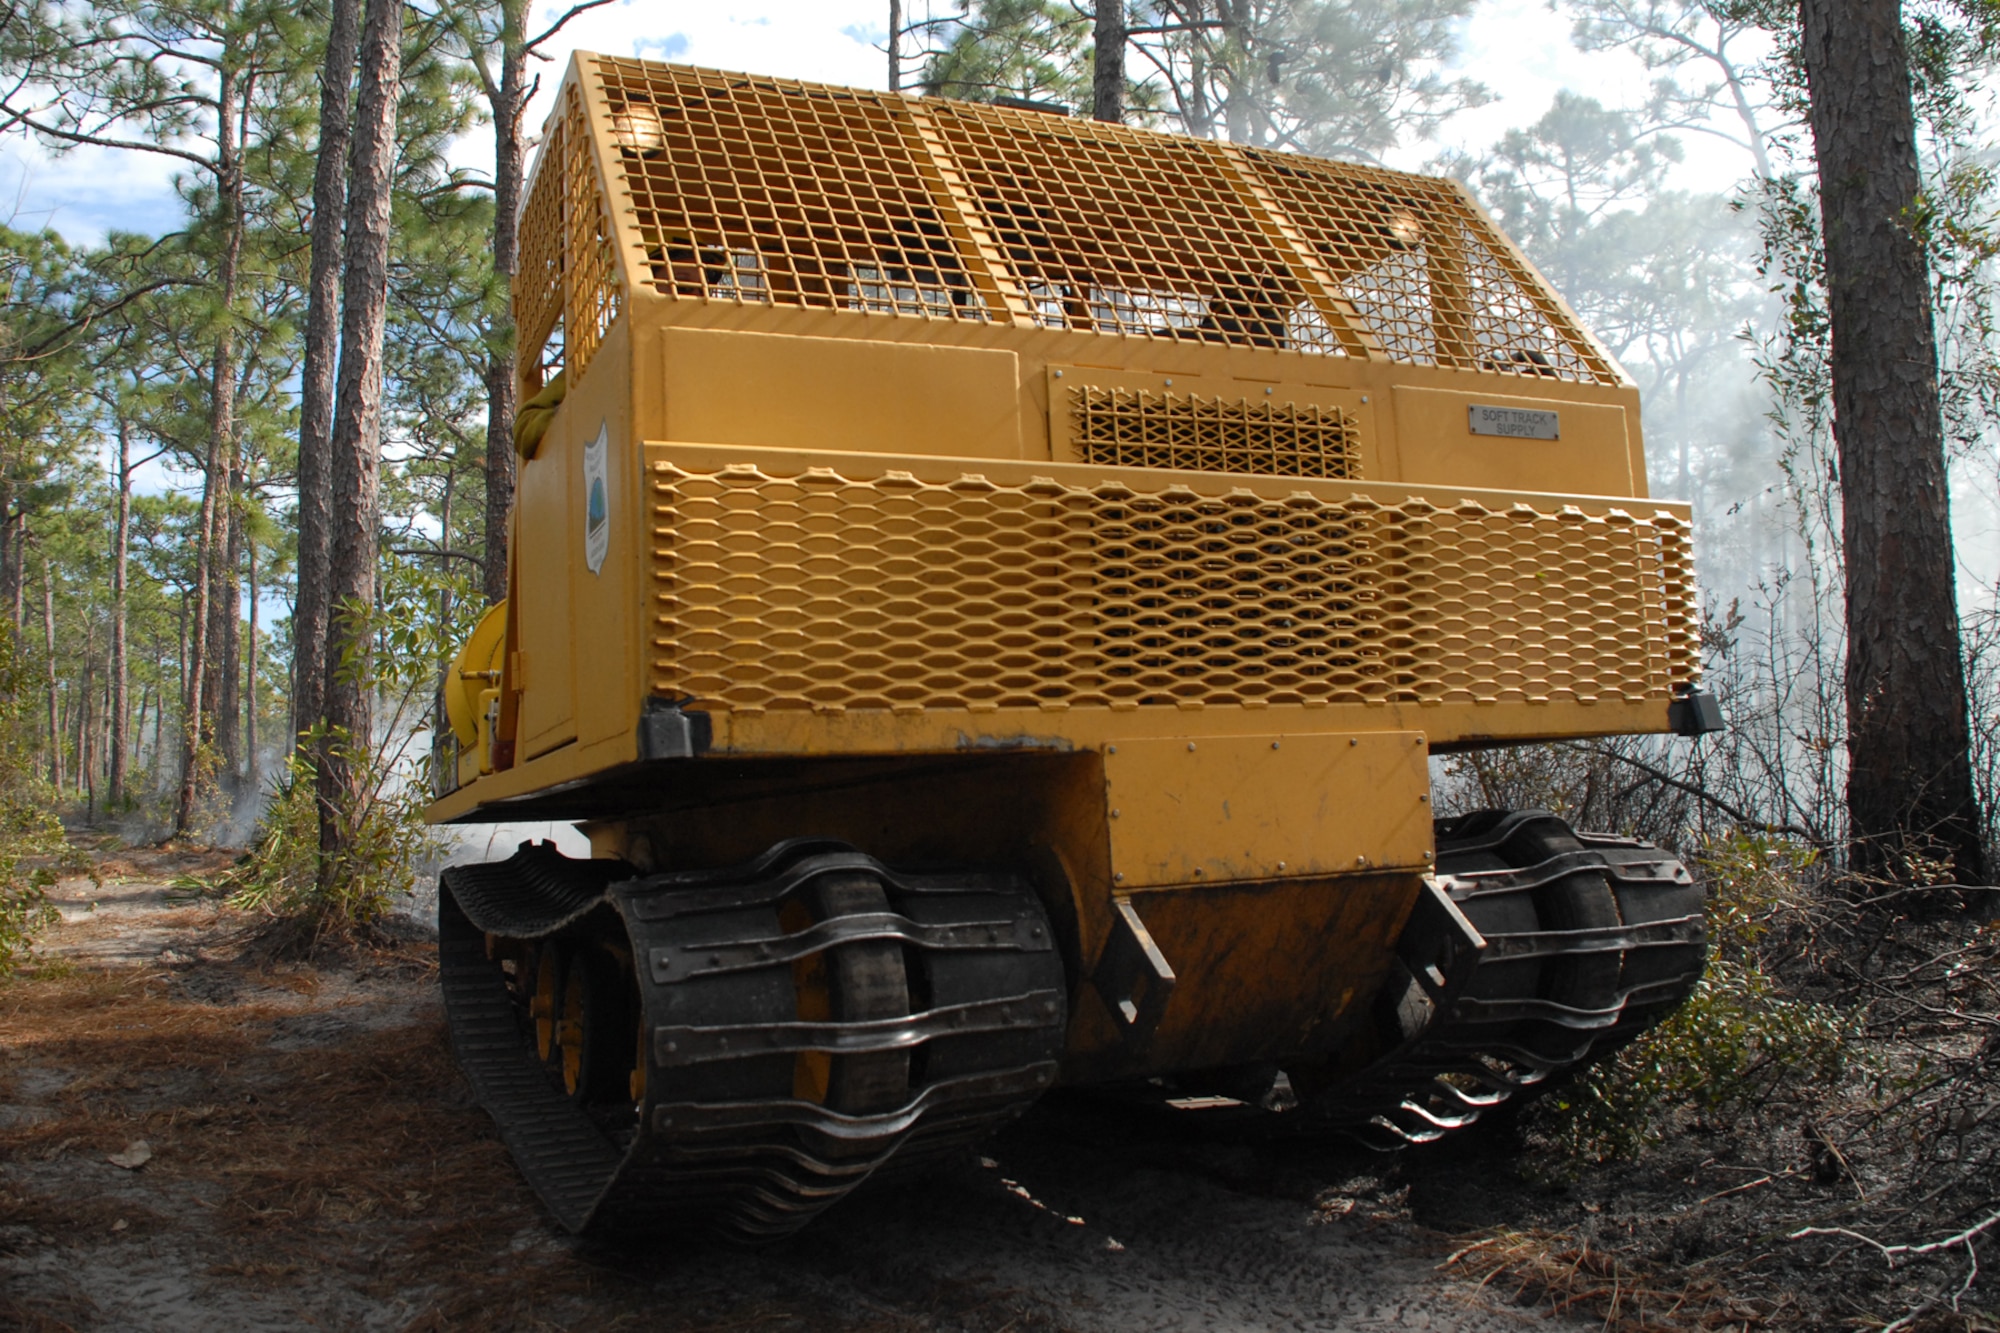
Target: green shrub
point(1737, 1040)
point(284, 873)
point(33, 851)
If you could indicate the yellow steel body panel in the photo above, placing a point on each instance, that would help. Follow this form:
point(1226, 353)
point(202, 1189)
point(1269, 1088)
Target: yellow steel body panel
point(542, 595)
point(829, 582)
point(475, 670)
point(1437, 446)
point(1263, 971)
point(840, 393)
point(1266, 806)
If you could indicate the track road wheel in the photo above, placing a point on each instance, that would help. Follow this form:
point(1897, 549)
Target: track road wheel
point(1581, 900)
point(849, 983)
point(545, 999)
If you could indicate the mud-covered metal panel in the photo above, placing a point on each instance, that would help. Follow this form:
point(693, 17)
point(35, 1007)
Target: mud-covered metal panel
point(1264, 807)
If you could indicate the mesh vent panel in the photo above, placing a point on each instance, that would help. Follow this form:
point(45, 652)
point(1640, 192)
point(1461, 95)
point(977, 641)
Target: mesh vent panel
point(1129, 233)
point(827, 590)
point(764, 191)
point(752, 190)
point(590, 256)
point(1137, 428)
point(1423, 273)
point(567, 292)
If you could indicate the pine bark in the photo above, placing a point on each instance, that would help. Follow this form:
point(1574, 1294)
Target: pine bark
point(509, 101)
point(250, 773)
point(227, 631)
point(1909, 790)
point(316, 379)
point(895, 45)
point(54, 688)
point(198, 728)
point(10, 542)
point(121, 544)
point(357, 419)
point(1107, 84)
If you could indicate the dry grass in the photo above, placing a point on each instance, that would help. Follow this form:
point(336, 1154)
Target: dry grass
point(357, 1160)
point(1568, 1276)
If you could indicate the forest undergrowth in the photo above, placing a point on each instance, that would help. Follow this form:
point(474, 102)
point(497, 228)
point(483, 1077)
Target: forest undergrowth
point(1812, 1141)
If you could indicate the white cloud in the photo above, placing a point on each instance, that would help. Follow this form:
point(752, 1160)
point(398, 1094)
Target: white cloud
point(86, 193)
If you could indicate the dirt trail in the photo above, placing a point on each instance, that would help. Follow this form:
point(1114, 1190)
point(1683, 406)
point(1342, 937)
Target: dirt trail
point(315, 1159)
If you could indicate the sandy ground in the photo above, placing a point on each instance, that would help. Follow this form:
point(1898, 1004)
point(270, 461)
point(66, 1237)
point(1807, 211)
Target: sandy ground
point(313, 1159)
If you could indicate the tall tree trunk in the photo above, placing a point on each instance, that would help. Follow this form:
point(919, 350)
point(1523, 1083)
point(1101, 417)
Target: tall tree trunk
point(309, 613)
point(1107, 83)
point(1909, 787)
point(121, 542)
point(228, 634)
point(896, 45)
point(55, 688)
point(159, 755)
point(509, 103)
point(357, 418)
point(85, 778)
point(443, 760)
point(250, 776)
point(10, 539)
point(20, 571)
point(199, 703)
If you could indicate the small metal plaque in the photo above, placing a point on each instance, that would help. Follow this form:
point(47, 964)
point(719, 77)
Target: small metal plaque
point(1517, 423)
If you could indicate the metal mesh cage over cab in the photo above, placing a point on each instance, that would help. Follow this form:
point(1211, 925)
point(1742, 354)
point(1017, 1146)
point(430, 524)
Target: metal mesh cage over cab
point(744, 189)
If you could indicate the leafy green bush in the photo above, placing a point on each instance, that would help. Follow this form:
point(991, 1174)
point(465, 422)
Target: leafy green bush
point(33, 850)
point(285, 875)
point(1738, 1039)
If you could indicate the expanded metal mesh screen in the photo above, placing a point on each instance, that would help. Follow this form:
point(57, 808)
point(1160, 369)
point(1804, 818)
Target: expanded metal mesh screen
point(1424, 274)
point(811, 588)
point(1127, 233)
point(755, 190)
point(567, 292)
point(1200, 433)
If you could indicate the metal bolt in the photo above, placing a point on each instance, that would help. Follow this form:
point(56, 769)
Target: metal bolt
point(1428, 856)
point(1364, 397)
point(1197, 872)
point(1424, 798)
point(1111, 749)
point(1354, 740)
point(1190, 745)
point(1170, 384)
point(673, 1046)
point(1119, 876)
point(1281, 865)
point(1114, 814)
point(1058, 374)
point(722, 1043)
point(1361, 860)
point(1267, 388)
point(715, 960)
point(1274, 745)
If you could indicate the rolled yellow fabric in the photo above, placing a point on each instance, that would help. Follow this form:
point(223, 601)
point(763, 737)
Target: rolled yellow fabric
point(531, 420)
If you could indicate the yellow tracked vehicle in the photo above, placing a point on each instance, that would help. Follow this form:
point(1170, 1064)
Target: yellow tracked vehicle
point(989, 585)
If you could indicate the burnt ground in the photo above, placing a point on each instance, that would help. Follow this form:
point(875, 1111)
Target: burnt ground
point(313, 1158)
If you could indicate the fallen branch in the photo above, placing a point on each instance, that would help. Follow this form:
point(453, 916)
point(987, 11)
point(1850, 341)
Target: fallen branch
point(1892, 1252)
point(1702, 794)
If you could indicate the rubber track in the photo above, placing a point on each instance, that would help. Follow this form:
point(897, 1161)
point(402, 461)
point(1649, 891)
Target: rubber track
point(1476, 1054)
point(720, 1143)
